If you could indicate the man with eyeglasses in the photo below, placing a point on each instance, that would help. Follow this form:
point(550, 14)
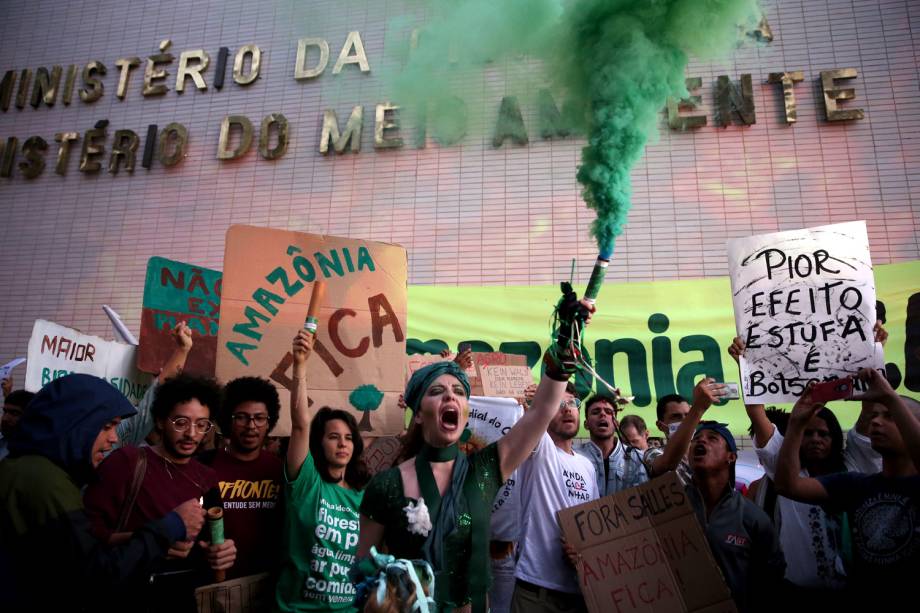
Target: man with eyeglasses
point(136, 485)
point(617, 466)
point(249, 477)
point(553, 478)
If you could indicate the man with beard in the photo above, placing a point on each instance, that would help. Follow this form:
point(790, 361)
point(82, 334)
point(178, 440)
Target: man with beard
point(136, 485)
point(249, 477)
point(554, 478)
point(617, 466)
point(739, 533)
point(883, 508)
point(49, 558)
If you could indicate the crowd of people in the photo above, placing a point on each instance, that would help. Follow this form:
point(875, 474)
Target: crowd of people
point(105, 506)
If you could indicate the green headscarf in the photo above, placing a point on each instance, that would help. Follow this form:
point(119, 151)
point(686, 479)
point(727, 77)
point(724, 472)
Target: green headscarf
point(423, 378)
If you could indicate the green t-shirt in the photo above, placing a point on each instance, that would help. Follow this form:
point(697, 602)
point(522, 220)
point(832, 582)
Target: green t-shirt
point(321, 526)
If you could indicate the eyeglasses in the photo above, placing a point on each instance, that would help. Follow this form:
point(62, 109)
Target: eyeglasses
point(571, 403)
point(182, 424)
point(244, 419)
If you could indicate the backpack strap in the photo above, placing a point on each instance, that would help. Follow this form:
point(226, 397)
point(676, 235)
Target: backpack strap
point(140, 469)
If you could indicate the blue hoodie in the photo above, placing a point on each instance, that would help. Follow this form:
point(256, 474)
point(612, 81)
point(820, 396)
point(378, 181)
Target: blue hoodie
point(64, 419)
point(49, 558)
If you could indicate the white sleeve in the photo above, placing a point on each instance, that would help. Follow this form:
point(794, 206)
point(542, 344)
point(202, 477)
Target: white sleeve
point(769, 453)
point(859, 456)
point(134, 430)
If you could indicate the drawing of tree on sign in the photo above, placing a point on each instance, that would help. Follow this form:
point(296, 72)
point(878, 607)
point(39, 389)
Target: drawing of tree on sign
point(365, 398)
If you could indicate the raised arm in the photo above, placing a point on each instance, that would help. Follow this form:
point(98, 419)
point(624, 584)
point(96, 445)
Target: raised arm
point(908, 424)
point(705, 394)
point(789, 481)
point(517, 445)
point(182, 335)
point(763, 429)
point(865, 414)
point(299, 445)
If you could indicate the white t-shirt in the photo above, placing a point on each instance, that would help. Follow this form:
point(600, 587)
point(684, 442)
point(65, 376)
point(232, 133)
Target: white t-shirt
point(551, 480)
point(805, 530)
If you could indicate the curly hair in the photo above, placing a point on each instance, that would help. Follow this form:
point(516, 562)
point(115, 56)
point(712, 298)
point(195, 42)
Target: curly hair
point(248, 389)
point(183, 388)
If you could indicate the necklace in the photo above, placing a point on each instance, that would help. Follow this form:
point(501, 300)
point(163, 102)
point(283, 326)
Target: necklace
point(167, 463)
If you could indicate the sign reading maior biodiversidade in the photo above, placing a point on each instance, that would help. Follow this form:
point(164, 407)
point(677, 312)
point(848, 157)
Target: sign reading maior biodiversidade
point(804, 306)
point(56, 351)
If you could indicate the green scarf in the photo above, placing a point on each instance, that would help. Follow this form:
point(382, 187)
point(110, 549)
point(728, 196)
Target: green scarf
point(444, 512)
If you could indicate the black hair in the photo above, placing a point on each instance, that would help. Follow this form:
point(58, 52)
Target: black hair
point(663, 403)
point(777, 417)
point(248, 389)
point(183, 388)
point(356, 474)
point(599, 397)
point(19, 398)
point(834, 462)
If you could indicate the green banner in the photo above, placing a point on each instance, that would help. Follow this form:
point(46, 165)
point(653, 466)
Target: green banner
point(649, 339)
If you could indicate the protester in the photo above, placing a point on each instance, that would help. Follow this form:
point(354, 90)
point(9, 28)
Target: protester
point(555, 477)
point(812, 538)
point(49, 558)
point(14, 404)
point(740, 535)
point(617, 466)
point(453, 491)
point(670, 410)
point(136, 485)
point(249, 477)
point(324, 478)
point(139, 430)
point(882, 507)
point(635, 432)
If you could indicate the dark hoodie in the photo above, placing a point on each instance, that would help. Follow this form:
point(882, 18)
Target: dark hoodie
point(48, 557)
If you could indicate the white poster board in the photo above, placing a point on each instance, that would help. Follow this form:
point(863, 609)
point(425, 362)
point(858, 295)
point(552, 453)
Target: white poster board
point(56, 351)
point(804, 305)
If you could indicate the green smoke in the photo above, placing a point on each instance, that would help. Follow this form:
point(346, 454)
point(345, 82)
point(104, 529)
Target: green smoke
point(620, 60)
point(613, 62)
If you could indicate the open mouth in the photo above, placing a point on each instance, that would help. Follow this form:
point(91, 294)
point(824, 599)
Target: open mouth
point(699, 450)
point(450, 418)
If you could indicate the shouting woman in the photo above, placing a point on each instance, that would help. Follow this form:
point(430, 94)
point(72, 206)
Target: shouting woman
point(435, 504)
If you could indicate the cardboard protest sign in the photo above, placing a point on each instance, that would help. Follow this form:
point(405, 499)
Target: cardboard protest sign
point(243, 595)
point(643, 549)
point(380, 453)
point(174, 292)
point(508, 380)
point(358, 362)
point(804, 305)
point(56, 351)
